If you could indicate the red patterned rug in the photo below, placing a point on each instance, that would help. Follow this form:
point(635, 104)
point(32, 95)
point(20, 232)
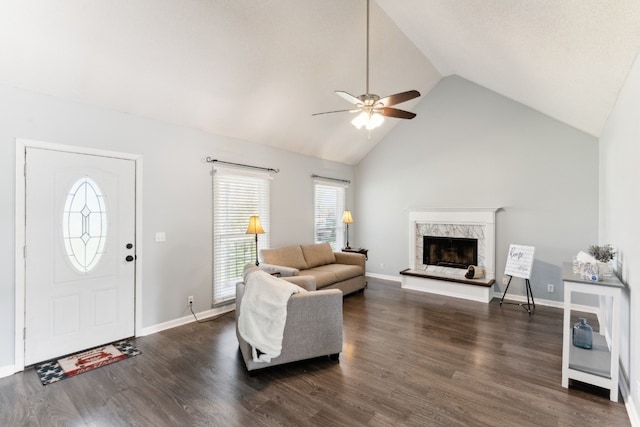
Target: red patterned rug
point(56, 370)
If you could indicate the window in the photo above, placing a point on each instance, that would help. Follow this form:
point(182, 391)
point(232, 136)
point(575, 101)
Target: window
point(329, 206)
point(84, 225)
point(237, 195)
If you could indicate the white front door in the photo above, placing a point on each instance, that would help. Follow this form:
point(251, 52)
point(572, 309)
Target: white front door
point(80, 252)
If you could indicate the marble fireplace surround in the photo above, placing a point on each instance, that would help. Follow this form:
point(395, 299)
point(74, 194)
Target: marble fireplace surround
point(475, 223)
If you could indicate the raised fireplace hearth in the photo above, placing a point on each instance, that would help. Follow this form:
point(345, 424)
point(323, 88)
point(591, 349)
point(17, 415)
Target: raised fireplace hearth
point(443, 242)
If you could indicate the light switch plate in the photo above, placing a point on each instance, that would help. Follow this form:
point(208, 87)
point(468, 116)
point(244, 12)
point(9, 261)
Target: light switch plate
point(160, 236)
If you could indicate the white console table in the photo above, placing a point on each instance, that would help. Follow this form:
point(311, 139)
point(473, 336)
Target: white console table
point(600, 365)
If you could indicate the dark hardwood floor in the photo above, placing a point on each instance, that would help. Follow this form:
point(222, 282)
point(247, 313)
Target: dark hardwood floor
point(409, 359)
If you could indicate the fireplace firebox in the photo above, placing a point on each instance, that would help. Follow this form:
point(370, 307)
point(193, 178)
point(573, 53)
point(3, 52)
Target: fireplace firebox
point(455, 252)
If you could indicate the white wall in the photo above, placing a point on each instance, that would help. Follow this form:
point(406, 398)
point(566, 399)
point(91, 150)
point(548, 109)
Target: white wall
point(177, 195)
point(471, 147)
point(620, 214)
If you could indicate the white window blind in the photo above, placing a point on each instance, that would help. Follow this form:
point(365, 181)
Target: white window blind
point(328, 207)
point(236, 197)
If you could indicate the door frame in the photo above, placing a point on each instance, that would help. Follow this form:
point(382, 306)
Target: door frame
point(20, 233)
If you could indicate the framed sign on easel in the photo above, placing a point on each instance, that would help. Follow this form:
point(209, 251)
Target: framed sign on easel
point(519, 263)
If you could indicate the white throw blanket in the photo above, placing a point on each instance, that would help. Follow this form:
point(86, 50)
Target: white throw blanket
point(263, 313)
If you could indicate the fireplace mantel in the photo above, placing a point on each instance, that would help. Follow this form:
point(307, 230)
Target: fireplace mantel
point(454, 222)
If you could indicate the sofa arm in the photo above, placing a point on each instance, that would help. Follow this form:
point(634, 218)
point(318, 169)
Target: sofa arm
point(314, 322)
point(350, 258)
point(284, 271)
point(305, 282)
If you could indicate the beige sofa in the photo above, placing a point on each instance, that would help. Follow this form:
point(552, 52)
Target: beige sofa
point(331, 270)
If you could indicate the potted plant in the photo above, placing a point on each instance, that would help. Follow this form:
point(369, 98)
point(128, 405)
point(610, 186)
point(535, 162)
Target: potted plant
point(603, 254)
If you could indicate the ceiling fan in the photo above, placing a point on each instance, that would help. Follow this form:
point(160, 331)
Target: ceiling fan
point(371, 107)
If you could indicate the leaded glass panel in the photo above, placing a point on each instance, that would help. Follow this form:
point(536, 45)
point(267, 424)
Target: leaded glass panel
point(84, 224)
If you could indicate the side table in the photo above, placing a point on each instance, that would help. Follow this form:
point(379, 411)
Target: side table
point(362, 251)
point(600, 365)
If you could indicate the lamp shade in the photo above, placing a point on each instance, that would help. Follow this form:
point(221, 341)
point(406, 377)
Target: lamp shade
point(254, 225)
point(347, 218)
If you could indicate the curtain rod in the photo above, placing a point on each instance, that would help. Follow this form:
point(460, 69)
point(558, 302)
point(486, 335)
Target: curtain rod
point(210, 160)
point(331, 179)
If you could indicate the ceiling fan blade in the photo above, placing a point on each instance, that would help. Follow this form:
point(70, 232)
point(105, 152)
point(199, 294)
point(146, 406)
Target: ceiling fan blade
point(348, 97)
point(399, 98)
point(394, 112)
point(336, 111)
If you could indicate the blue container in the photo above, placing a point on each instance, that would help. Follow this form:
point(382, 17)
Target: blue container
point(583, 334)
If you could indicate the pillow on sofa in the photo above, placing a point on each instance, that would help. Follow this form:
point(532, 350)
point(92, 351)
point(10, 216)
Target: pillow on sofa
point(318, 254)
point(289, 256)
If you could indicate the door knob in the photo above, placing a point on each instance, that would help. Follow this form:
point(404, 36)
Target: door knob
point(129, 258)
point(129, 245)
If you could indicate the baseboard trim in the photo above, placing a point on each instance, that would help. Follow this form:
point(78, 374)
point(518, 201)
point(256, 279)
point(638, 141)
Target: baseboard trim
point(8, 370)
point(383, 277)
point(510, 297)
point(185, 320)
point(629, 402)
point(547, 303)
point(632, 411)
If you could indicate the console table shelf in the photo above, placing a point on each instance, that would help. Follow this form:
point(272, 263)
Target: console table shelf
point(596, 361)
point(600, 365)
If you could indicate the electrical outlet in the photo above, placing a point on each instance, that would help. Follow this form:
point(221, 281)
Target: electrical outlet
point(381, 266)
point(549, 287)
point(190, 300)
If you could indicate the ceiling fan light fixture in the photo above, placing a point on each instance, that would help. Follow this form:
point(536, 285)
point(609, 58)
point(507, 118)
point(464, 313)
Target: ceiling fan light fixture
point(368, 120)
point(360, 120)
point(372, 108)
point(375, 120)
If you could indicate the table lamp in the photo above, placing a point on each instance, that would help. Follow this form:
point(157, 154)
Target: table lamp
point(347, 219)
point(255, 228)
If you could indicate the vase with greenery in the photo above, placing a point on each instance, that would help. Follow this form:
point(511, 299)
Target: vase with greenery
point(603, 254)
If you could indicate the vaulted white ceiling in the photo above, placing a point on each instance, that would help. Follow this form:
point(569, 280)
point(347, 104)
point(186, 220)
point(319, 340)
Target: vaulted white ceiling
point(565, 58)
point(257, 70)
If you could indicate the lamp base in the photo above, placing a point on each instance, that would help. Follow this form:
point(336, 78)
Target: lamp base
point(257, 262)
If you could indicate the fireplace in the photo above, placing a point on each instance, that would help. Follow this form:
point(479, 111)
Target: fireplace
point(454, 252)
point(451, 224)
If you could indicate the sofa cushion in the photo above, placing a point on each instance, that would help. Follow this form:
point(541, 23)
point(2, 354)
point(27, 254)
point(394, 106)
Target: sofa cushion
point(289, 256)
point(341, 271)
point(323, 278)
point(318, 254)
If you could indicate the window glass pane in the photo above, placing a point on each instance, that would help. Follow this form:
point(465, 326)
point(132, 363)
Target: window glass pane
point(236, 197)
point(329, 206)
point(84, 224)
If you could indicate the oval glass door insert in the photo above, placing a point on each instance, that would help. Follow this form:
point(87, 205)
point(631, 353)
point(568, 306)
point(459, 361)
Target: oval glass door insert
point(84, 224)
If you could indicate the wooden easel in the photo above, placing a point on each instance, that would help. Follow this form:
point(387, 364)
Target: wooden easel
point(519, 263)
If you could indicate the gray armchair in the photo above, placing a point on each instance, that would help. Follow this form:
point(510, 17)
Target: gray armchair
point(313, 327)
